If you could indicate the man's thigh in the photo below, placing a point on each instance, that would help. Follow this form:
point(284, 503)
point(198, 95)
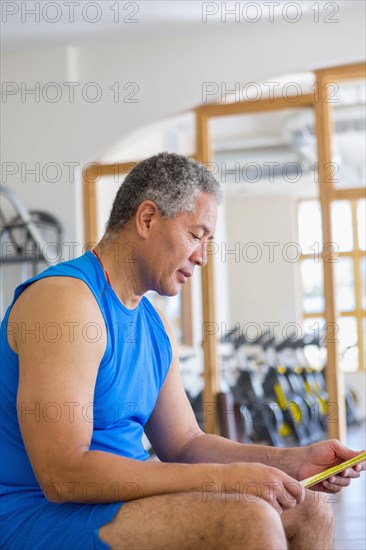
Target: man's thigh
point(192, 521)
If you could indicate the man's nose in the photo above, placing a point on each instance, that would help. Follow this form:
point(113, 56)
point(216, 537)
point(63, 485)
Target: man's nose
point(200, 255)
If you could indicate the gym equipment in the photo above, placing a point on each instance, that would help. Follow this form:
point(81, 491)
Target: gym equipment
point(317, 414)
point(22, 236)
point(270, 393)
point(25, 237)
point(263, 414)
point(293, 406)
point(290, 355)
point(233, 418)
point(260, 418)
point(316, 391)
point(352, 415)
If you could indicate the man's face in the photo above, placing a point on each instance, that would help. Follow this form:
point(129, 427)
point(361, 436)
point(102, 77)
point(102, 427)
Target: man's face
point(178, 244)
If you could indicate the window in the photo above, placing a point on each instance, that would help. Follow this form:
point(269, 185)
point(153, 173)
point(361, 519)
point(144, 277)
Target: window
point(349, 257)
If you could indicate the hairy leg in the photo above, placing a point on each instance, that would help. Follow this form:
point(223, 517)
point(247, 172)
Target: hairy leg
point(190, 521)
point(311, 524)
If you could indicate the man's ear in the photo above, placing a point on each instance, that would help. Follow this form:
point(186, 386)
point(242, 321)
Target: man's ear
point(146, 214)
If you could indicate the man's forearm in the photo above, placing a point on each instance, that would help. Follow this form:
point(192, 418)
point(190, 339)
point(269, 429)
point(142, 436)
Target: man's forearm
point(219, 450)
point(97, 476)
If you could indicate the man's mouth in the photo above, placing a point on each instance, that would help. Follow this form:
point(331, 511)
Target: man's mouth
point(184, 275)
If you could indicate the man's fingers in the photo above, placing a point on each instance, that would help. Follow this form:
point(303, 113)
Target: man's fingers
point(336, 483)
point(350, 472)
point(342, 481)
point(287, 500)
point(276, 505)
point(333, 487)
point(296, 491)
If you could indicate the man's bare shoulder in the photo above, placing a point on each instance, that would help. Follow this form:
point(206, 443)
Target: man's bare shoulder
point(55, 300)
point(51, 289)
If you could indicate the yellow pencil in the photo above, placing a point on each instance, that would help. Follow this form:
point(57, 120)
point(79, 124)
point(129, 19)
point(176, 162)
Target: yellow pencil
point(313, 480)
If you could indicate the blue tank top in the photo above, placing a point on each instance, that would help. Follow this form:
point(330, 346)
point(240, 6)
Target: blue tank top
point(135, 363)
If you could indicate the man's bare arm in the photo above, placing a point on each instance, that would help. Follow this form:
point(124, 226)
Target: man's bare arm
point(64, 372)
point(214, 448)
point(175, 435)
point(59, 375)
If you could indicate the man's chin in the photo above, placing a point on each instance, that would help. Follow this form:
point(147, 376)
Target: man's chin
point(168, 292)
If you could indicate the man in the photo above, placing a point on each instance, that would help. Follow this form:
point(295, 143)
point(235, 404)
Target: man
point(89, 365)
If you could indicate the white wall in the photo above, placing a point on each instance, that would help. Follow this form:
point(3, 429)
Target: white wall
point(169, 69)
point(262, 278)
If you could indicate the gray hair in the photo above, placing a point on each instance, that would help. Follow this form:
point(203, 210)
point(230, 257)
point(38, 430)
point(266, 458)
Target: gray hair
point(172, 181)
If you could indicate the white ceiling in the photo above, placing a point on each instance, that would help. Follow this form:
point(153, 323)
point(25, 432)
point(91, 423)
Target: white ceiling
point(23, 31)
point(29, 24)
point(281, 138)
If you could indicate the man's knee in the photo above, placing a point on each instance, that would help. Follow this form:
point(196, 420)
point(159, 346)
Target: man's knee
point(253, 519)
point(314, 514)
point(318, 508)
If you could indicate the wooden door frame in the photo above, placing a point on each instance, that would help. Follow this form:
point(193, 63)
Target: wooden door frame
point(336, 428)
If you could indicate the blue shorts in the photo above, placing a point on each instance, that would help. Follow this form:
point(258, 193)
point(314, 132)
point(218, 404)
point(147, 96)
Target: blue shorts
point(49, 526)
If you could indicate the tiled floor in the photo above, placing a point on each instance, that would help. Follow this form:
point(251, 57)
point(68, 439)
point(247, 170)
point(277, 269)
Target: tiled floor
point(350, 505)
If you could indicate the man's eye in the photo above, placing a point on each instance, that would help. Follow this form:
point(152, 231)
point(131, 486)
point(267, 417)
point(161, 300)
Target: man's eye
point(196, 237)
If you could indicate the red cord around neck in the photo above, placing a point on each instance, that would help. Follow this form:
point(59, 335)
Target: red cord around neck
point(101, 263)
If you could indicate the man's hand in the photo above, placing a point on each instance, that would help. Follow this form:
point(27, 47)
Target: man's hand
point(254, 481)
point(323, 455)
